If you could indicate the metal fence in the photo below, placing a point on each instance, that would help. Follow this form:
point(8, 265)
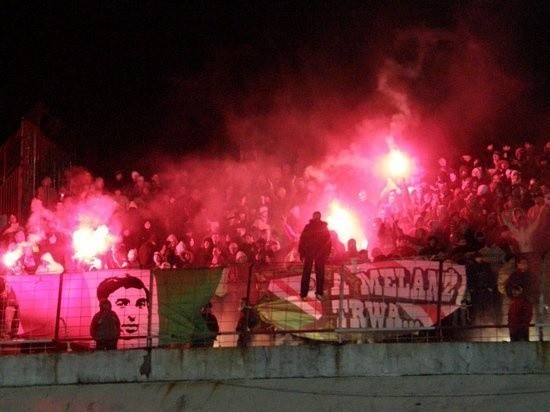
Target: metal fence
point(260, 305)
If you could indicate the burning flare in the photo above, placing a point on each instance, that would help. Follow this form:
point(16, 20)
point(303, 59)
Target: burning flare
point(397, 164)
point(11, 257)
point(88, 242)
point(345, 222)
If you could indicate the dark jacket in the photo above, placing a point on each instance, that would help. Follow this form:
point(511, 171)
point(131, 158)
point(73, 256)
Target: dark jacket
point(105, 326)
point(315, 240)
point(520, 314)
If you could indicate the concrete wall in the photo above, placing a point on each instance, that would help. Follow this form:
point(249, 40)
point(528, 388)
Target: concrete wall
point(359, 377)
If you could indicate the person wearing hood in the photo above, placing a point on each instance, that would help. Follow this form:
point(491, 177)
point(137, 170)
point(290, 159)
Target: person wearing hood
point(105, 326)
point(314, 247)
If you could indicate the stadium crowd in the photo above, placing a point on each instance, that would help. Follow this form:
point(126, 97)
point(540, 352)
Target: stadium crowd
point(485, 211)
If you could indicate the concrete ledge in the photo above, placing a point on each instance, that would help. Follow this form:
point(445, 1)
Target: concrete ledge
point(320, 361)
point(381, 393)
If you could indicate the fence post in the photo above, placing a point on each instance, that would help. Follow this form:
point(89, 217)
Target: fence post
point(247, 305)
point(340, 326)
point(249, 282)
point(150, 311)
point(540, 309)
point(58, 310)
point(439, 294)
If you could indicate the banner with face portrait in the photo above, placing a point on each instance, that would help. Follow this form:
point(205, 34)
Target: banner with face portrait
point(132, 297)
point(163, 304)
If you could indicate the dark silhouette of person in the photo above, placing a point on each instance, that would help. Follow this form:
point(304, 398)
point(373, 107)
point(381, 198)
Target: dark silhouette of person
point(520, 314)
point(314, 247)
point(105, 327)
point(248, 321)
point(206, 339)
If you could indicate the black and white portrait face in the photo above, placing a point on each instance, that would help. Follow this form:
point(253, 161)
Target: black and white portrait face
point(132, 307)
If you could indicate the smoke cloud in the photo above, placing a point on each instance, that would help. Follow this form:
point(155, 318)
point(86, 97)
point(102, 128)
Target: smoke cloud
point(341, 95)
point(324, 97)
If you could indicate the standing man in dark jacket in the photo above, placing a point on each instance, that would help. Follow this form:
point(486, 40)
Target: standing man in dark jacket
point(105, 327)
point(520, 314)
point(314, 248)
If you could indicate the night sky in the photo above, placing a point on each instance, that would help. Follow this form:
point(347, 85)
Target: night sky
point(132, 80)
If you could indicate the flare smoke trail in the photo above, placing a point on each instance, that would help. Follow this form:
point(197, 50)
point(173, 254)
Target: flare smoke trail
point(328, 91)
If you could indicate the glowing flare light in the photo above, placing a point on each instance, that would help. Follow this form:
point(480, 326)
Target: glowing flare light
point(11, 257)
point(88, 242)
point(346, 224)
point(397, 164)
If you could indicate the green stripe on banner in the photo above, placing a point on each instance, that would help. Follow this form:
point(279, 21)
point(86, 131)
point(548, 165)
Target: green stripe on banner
point(181, 295)
point(284, 315)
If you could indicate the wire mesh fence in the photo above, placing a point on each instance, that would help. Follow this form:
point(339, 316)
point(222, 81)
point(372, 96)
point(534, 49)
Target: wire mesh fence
point(261, 305)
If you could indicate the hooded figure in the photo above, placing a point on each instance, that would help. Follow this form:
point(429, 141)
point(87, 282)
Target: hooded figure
point(105, 326)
